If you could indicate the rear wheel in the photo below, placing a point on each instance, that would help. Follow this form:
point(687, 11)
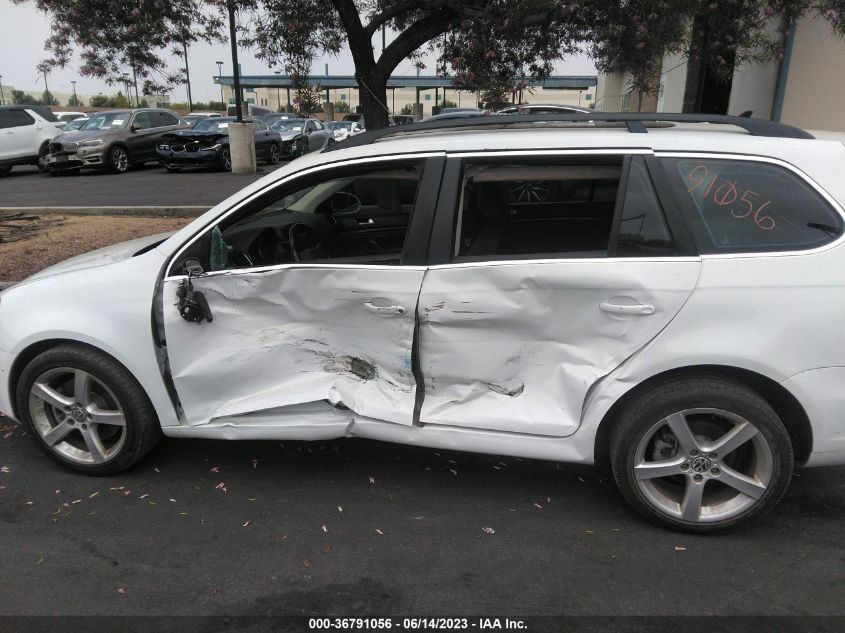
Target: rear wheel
point(226, 159)
point(275, 154)
point(86, 411)
point(701, 454)
point(43, 153)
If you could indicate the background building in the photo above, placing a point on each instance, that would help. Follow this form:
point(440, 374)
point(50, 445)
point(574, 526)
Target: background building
point(806, 88)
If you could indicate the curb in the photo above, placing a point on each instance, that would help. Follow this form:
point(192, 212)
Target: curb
point(167, 212)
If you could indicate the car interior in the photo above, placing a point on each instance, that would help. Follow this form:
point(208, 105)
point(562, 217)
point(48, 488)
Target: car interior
point(512, 210)
point(361, 218)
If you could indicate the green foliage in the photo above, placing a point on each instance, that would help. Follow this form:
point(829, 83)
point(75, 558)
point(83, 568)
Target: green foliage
point(119, 101)
point(341, 107)
point(19, 97)
point(308, 100)
point(448, 103)
point(100, 101)
point(407, 109)
point(47, 98)
point(144, 104)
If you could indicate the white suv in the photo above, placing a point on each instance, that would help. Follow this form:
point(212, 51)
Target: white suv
point(25, 134)
point(666, 298)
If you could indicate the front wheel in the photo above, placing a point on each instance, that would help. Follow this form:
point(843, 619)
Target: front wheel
point(275, 154)
point(86, 411)
point(117, 160)
point(701, 454)
point(226, 159)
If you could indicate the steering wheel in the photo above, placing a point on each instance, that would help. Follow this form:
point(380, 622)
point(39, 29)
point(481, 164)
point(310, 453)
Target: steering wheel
point(303, 241)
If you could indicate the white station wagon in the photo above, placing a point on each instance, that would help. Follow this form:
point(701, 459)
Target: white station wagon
point(667, 297)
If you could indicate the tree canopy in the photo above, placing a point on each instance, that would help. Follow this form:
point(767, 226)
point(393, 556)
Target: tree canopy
point(485, 45)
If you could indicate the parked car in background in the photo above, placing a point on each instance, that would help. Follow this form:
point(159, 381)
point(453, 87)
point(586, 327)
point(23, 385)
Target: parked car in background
point(455, 113)
point(25, 135)
point(344, 129)
point(400, 119)
point(300, 136)
point(666, 298)
point(252, 110)
point(69, 116)
point(544, 108)
point(112, 140)
point(207, 145)
point(75, 124)
point(193, 117)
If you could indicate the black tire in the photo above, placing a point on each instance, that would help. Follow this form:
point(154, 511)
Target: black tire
point(226, 159)
point(43, 152)
point(117, 160)
point(5, 169)
point(642, 438)
point(274, 154)
point(108, 389)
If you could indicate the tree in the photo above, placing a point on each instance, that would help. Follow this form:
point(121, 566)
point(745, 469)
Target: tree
point(341, 107)
point(99, 101)
point(487, 45)
point(119, 101)
point(48, 99)
point(407, 109)
point(19, 97)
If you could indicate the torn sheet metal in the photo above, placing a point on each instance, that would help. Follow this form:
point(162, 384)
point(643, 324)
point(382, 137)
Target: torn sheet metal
point(297, 335)
point(515, 347)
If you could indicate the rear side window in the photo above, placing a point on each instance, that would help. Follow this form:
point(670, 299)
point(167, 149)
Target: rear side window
point(14, 118)
point(163, 119)
point(744, 207)
point(537, 210)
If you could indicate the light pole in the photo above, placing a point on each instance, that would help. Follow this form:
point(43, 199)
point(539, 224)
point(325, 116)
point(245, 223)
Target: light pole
point(219, 77)
point(278, 91)
point(75, 100)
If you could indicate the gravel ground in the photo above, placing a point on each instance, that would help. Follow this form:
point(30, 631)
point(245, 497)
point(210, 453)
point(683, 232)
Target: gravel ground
point(73, 236)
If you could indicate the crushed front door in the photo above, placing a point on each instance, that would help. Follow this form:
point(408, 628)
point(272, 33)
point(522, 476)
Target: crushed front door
point(315, 335)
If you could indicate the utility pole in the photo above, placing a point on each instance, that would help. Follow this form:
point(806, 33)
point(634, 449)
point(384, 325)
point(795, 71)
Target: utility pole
point(126, 88)
point(219, 81)
point(278, 91)
point(187, 75)
point(135, 81)
point(75, 100)
point(1, 90)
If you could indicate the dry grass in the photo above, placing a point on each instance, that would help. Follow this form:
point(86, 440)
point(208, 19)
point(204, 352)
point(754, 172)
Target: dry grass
point(54, 240)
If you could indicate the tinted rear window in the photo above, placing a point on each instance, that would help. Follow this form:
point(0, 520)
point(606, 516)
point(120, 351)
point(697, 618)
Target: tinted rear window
point(742, 207)
point(14, 118)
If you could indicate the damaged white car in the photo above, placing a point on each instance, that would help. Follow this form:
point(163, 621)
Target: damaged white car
point(670, 300)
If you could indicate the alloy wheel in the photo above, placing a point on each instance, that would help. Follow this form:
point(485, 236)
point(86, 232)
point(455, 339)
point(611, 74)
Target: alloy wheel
point(703, 465)
point(119, 159)
point(77, 416)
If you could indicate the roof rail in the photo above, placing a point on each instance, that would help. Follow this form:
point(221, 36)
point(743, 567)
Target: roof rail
point(633, 121)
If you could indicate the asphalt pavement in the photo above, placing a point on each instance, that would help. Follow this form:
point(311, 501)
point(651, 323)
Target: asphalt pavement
point(143, 186)
point(356, 528)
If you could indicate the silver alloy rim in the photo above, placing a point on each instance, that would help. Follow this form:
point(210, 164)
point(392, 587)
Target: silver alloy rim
point(274, 153)
point(119, 159)
point(77, 416)
point(703, 465)
point(227, 160)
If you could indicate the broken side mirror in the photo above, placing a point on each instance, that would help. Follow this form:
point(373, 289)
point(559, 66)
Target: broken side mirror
point(192, 304)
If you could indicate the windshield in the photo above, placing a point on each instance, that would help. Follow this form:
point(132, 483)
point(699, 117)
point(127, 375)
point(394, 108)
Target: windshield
point(76, 124)
point(212, 124)
point(340, 125)
point(108, 121)
point(291, 125)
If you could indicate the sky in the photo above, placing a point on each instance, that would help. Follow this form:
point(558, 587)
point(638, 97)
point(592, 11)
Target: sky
point(23, 30)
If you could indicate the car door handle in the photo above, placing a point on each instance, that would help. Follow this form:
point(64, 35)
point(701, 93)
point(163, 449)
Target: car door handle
point(618, 308)
point(385, 310)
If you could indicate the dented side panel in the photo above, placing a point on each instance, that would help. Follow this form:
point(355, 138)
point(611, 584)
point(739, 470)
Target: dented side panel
point(516, 346)
point(296, 335)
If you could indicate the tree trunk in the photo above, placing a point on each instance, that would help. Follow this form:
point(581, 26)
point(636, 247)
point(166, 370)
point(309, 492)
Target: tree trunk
point(373, 93)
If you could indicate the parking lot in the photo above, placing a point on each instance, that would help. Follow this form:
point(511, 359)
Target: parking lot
point(356, 527)
point(145, 186)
